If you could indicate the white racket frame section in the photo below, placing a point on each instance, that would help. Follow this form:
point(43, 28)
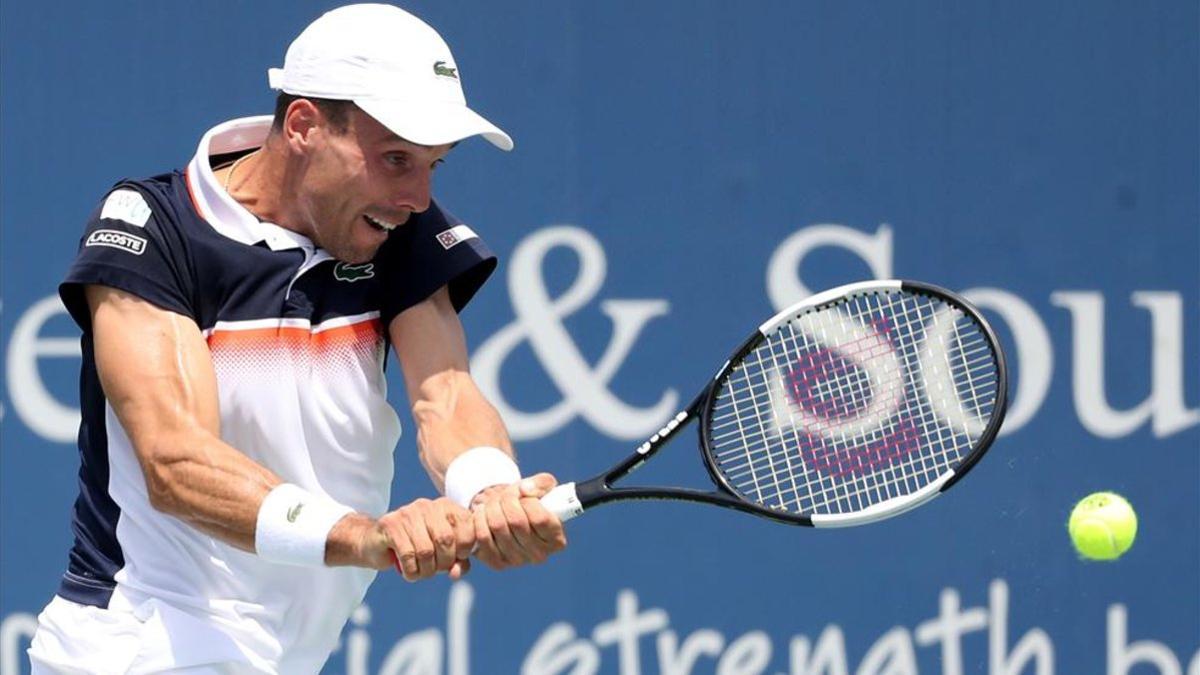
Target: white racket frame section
point(883, 510)
point(828, 296)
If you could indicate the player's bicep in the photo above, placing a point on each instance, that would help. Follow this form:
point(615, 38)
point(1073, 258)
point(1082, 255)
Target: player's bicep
point(430, 344)
point(155, 368)
point(158, 377)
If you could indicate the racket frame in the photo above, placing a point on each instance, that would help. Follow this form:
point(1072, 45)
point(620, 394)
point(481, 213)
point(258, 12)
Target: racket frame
point(571, 499)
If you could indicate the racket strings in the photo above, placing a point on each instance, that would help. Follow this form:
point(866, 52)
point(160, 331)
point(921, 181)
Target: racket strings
point(840, 464)
point(900, 443)
point(863, 401)
point(981, 356)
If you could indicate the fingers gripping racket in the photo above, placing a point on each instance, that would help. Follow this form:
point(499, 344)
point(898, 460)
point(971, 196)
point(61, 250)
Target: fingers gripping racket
point(853, 406)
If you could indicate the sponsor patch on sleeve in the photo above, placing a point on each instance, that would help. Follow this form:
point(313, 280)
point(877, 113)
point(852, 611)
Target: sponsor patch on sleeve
point(124, 241)
point(455, 235)
point(127, 206)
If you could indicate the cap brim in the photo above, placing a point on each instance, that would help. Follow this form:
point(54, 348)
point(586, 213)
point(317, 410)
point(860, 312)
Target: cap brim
point(433, 123)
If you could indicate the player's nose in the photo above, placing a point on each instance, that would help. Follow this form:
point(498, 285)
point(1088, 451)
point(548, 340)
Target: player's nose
point(415, 193)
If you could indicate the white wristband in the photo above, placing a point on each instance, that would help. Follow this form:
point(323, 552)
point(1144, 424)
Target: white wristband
point(293, 525)
point(476, 469)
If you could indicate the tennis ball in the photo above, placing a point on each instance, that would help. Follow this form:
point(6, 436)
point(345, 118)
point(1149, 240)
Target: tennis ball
point(1102, 526)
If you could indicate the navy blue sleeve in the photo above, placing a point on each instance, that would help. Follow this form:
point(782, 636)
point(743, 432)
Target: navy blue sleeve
point(433, 249)
point(132, 247)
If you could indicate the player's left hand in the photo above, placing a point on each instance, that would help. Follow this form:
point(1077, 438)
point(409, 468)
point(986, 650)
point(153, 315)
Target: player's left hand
point(512, 527)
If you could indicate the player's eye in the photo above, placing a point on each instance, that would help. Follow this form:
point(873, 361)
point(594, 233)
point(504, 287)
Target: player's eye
point(436, 164)
point(396, 158)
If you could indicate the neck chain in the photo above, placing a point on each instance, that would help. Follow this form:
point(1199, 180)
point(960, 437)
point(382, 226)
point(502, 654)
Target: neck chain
point(234, 166)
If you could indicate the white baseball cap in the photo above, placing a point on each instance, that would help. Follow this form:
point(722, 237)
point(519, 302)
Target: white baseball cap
point(394, 66)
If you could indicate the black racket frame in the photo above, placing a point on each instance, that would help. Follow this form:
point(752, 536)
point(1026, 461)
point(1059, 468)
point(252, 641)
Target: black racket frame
point(600, 489)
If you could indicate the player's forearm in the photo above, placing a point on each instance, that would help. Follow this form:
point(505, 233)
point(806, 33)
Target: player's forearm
point(222, 494)
point(199, 479)
point(452, 417)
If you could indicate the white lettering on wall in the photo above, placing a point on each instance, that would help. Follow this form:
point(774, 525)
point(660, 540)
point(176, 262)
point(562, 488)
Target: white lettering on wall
point(891, 654)
point(1033, 646)
point(539, 319)
point(784, 285)
point(1122, 656)
point(677, 659)
point(35, 405)
point(586, 389)
point(1164, 406)
point(16, 630)
point(748, 655)
point(949, 627)
point(559, 650)
point(627, 628)
point(420, 652)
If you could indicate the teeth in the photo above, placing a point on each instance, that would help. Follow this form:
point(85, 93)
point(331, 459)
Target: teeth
point(380, 223)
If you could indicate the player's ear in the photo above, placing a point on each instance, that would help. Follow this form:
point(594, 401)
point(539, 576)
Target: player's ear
point(301, 119)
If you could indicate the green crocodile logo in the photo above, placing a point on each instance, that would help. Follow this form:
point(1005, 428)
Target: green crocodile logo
point(294, 512)
point(439, 68)
point(352, 273)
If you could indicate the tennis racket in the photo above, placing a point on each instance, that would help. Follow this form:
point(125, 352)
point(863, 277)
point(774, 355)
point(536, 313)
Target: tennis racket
point(855, 405)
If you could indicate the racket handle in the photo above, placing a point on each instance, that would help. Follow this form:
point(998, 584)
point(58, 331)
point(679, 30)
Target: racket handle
point(562, 502)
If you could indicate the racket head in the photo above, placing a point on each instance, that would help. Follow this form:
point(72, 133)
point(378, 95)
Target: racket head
point(855, 405)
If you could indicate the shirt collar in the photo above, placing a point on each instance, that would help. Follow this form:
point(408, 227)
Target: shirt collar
point(216, 206)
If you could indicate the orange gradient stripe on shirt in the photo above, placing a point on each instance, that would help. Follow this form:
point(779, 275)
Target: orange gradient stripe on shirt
point(368, 331)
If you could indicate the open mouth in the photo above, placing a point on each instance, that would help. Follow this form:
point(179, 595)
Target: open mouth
point(381, 225)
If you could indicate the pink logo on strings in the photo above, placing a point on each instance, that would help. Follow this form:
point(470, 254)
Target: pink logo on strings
point(858, 461)
point(828, 384)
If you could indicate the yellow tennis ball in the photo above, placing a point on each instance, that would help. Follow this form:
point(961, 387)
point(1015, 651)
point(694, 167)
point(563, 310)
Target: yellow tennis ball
point(1102, 526)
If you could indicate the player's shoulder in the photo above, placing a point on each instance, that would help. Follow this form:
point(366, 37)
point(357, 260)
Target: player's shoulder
point(135, 241)
point(156, 201)
point(134, 208)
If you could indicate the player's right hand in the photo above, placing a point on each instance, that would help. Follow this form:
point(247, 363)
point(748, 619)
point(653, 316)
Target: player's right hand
point(429, 536)
point(512, 526)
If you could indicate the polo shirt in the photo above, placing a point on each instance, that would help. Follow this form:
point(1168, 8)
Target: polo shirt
point(298, 343)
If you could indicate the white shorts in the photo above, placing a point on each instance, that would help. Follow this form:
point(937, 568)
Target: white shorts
point(79, 639)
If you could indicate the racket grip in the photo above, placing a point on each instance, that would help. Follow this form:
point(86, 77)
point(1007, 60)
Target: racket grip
point(562, 502)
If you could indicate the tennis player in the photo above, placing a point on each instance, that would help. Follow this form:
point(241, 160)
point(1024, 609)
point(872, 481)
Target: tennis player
point(236, 441)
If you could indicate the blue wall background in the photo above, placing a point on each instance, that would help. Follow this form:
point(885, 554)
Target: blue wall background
point(1043, 155)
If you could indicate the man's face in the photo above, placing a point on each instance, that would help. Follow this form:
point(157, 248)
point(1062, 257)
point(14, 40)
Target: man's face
point(361, 183)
